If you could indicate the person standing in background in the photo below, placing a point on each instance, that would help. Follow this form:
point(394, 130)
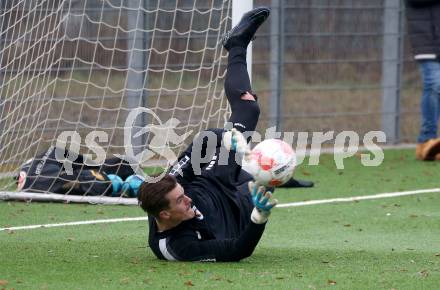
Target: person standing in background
point(423, 19)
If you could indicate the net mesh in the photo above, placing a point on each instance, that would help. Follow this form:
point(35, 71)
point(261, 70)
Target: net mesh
point(83, 65)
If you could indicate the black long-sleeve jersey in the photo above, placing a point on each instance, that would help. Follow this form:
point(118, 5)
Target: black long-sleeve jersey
point(222, 229)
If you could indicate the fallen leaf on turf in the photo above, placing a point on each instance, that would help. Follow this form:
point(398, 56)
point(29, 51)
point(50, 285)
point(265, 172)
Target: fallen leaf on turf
point(325, 262)
point(184, 273)
point(437, 255)
point(305, 173)
point(413, 216)
point(427, 173)
point(3, 282)
point(331, 282)
point(135, 260)
point(347, 225)
point(424, 273)
point(189, 283)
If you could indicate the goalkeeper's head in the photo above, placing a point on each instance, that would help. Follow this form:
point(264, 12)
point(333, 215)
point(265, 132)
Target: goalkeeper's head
point(166, 201)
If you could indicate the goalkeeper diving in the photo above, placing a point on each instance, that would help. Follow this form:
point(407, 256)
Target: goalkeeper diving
point(219, 214)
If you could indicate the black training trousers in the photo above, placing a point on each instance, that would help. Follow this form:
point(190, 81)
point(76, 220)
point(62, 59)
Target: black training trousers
point(245, 113)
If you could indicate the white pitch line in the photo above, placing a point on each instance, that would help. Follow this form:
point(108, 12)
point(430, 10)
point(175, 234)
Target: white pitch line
point(292, 204)
point(91, 222)
point(356, 198)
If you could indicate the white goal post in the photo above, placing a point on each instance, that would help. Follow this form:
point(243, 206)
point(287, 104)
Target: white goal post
point(81, 67)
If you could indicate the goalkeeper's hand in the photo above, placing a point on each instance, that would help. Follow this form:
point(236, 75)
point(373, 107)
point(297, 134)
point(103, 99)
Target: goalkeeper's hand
point(262, 202)
point(132, 184)
point(234, 140)
point(117, 184)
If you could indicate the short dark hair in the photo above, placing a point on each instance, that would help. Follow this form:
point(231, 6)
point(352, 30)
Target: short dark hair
point(152, 196)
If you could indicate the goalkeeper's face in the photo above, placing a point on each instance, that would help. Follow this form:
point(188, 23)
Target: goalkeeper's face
point(179, 208)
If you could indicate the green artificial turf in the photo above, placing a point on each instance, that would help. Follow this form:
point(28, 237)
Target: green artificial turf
point(391, 243)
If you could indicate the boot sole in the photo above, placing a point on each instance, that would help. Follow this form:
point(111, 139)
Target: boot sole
point(248, 19)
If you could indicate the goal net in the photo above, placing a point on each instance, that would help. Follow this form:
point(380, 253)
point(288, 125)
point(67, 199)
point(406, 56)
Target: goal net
point(73, 72)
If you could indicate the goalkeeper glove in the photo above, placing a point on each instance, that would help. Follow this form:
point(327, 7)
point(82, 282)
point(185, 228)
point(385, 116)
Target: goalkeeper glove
point(117, 184)
point(263, 205)
point(132, 184)
point(234, 140)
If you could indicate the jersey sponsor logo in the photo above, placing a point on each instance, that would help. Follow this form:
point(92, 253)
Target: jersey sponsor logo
point(43, 160)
